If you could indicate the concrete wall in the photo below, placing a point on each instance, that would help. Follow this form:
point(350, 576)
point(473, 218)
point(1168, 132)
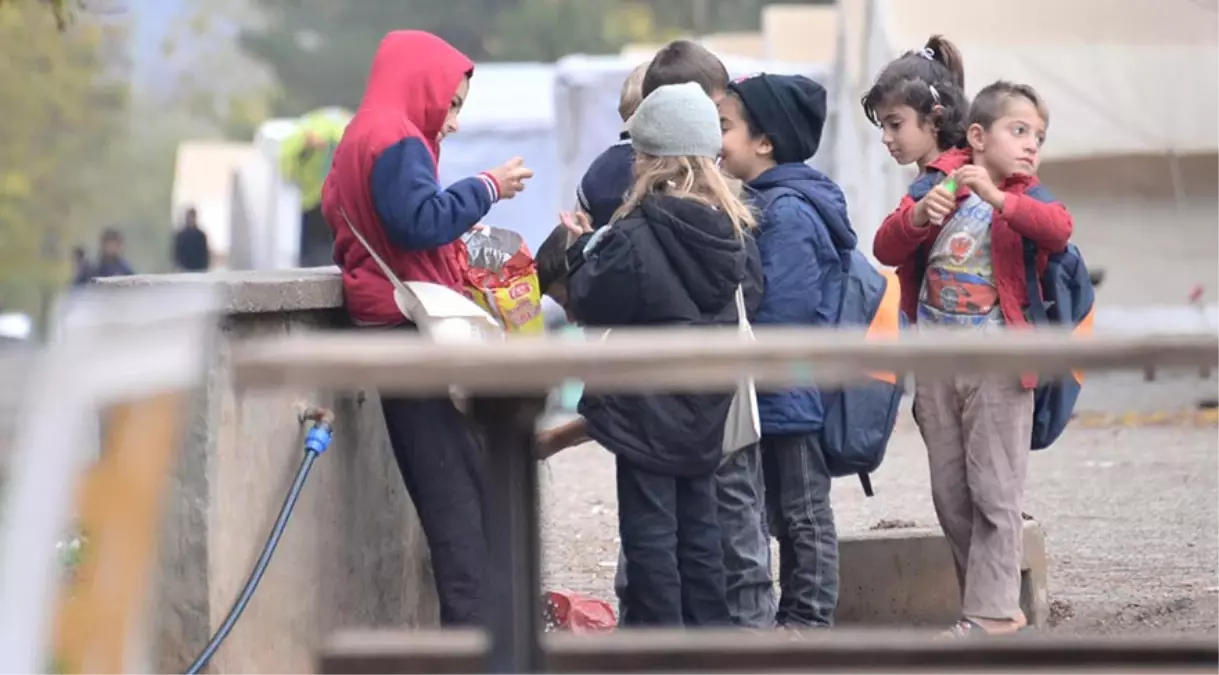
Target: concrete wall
point(353, 554)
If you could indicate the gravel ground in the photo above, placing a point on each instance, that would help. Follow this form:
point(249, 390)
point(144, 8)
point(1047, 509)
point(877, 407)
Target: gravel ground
point(1131, 514)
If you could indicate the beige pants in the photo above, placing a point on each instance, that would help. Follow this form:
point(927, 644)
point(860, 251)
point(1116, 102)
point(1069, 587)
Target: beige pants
point(978, 429)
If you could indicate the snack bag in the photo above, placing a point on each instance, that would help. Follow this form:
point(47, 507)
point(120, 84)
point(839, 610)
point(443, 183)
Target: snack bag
point(503, 278)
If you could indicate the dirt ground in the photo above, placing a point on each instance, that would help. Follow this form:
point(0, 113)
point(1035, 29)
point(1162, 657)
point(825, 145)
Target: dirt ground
point(1131, 513)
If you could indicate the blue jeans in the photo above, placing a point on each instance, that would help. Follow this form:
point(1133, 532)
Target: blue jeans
point(798, 503)
point(671, 540)
point(745, 541)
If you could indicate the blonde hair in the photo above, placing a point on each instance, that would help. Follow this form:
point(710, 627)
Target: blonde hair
point(632, 92)
point(694, 178)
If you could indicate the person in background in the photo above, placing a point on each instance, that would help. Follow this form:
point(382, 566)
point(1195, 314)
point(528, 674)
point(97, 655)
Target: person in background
point(111, 262)
point(305, 160)
point(772, 126)
point(960, 255)
point(191, 252)
point(673, 254)
point(383, 184)
point(82, 271)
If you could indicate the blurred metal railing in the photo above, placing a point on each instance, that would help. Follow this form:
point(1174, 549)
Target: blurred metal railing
point(142, 350)
point(507, 381)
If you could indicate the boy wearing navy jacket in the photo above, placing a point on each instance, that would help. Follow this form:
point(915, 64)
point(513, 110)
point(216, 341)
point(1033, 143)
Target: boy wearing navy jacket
point(772, 125)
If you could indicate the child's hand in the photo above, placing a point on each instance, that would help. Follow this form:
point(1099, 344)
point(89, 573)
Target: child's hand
point(978, 180)
point(511, 177)
point(577, 223)
point(934, 207)
point(547, 444)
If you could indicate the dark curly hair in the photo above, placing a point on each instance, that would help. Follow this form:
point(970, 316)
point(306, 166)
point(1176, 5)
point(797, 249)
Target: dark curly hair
point(932, 82)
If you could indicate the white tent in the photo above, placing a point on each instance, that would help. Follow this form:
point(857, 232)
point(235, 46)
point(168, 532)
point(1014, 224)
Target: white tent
point(266, 217)
point(586, 105)
point(1133, 92)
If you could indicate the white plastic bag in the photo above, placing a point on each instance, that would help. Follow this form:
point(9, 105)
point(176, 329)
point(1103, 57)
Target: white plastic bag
point(743, 427)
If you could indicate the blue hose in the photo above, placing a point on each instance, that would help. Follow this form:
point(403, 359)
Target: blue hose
point(317, 441)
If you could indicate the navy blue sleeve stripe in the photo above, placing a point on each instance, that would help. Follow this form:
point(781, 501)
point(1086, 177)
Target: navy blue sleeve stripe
point(415, 212)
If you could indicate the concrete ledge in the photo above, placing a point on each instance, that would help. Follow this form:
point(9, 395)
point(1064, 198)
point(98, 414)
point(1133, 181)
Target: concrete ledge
point(353, 554)
point(906, 576)
point(254, 292)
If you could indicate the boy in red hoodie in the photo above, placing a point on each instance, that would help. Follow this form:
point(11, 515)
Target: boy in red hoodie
point(960, 258)
point(383, 183)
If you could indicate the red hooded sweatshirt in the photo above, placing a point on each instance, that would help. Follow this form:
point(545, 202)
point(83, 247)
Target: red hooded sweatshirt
point(1029, 212)
point(384, 178)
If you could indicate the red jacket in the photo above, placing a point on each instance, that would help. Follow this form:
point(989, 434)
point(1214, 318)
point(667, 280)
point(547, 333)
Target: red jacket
point(1024, 214)
point(384, 178)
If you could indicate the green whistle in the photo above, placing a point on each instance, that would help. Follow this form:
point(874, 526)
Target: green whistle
point(950, 184)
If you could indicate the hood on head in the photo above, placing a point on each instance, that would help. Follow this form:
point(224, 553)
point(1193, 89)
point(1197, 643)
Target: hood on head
point(416, 74)
point(701, 245)
point(818, 189)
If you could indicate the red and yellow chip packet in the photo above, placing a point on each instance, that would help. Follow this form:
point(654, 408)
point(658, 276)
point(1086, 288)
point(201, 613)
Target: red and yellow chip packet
point(502, 277)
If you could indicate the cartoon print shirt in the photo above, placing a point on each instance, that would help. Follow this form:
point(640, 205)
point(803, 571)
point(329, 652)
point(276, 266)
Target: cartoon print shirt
point(959, 287)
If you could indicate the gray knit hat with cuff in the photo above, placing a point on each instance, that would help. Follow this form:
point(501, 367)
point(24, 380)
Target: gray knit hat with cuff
point(677, 120)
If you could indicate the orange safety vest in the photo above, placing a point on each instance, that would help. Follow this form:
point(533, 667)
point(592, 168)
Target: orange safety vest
point(886, 325)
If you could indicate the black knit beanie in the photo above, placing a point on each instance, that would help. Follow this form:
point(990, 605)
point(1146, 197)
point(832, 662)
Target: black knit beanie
point(789, 109)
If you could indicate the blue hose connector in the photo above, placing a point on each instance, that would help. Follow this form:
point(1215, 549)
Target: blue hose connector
point(318, 439)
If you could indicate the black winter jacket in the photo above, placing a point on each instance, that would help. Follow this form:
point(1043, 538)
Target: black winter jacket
point(673, 262)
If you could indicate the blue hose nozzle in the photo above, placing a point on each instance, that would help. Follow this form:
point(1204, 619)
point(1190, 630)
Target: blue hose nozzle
point(318, 438)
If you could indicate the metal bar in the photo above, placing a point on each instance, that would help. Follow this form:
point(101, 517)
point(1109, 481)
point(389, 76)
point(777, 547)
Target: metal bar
point(513, 592)
point(780, 651)
point(687, 359)
point(113, 347)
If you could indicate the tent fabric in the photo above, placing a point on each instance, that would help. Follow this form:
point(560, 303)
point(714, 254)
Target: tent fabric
point(1139, 77)
point(1120, 78)
point(510, 112)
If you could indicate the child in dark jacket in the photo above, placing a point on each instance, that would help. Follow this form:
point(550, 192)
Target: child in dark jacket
point(674, 254)
point(772, 124)
point(751, 599)
point(968, 273)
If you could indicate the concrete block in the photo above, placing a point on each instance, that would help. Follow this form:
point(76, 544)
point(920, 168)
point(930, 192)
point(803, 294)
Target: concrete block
point(906, 577)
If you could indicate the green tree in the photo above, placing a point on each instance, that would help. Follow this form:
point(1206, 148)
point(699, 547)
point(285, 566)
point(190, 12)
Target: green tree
point(67, 102)
point(319, 50)
point(61, 10)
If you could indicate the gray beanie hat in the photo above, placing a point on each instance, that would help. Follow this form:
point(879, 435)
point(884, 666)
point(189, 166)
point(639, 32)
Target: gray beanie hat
point(677, 120)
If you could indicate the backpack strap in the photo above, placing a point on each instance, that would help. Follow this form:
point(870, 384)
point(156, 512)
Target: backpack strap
point(1032, 284)
point(919, 189)
point(923, 184)
point(766, 198)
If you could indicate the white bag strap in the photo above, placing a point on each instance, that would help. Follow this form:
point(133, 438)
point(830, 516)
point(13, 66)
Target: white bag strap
point(385, 269)
point(742, 317)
